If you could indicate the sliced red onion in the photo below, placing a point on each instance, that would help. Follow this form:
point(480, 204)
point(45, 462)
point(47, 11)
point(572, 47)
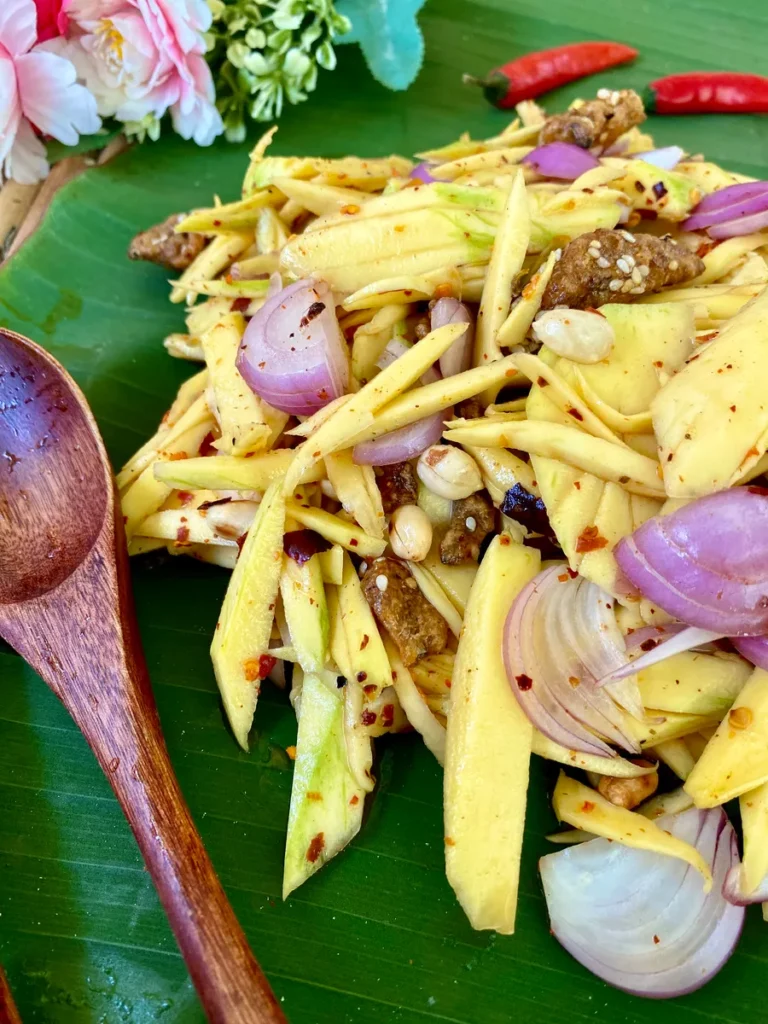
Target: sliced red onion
point(733, 889)
point(561, 160)
point(547, 650)
point(458, 358)
point(422, 172)
point(731, 194)
point(688, 639)
point(666, 158)
point(650, 637)
point(640, 920)
point(403, 444)
point(740, 208)
point(743, 226)
point(754, 649)
point(706, 563)
point(293, 353)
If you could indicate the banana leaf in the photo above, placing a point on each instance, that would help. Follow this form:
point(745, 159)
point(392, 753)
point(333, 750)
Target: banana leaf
point(376, 936)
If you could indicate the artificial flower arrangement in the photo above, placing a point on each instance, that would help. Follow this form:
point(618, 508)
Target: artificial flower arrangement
point(68, 67)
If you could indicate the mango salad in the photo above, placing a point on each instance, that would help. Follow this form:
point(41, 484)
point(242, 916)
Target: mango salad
point(427, 388)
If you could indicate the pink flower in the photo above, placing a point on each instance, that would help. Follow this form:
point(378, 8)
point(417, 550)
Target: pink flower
point(38, 92)
point(141, 58)
point(51, 19)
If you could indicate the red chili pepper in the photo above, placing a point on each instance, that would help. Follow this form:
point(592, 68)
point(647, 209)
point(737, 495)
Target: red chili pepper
point(708, 92)
point(535, 73)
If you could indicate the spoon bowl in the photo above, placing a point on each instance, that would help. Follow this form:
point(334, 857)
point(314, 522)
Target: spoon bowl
point(66, 607)
point(41, 421)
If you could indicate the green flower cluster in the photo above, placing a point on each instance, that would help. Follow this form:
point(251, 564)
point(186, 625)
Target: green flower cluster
point(265, 52)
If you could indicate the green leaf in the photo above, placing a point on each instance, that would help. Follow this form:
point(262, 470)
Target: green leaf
point(389, 36)
point(85, 144)
point(376, 937)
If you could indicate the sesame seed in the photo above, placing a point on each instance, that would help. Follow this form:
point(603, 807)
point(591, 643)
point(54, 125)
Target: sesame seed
point(673, 264)
point(603, 263)
point(637, 277)
point(637, 291)
point(614, 97)
point(627, 236)
point(622, 264)
point(644, 270)
point(614, 285)
point(471, 523)
point(382, 582)
point(627, 286)
point(557, 254)
point(363, 567)
point(630, 259)
point(596, 243)
point(603, 94)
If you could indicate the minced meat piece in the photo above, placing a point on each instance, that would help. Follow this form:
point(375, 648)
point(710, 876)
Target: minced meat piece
point(615, 266)
point(394, 596)
point(398, 485)
point(472, 519)
point(598, 122)
point(160, 244)
point(469, 409)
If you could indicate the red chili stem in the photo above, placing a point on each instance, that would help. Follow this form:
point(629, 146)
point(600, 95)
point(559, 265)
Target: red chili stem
point(535, 73)
point(709, 92)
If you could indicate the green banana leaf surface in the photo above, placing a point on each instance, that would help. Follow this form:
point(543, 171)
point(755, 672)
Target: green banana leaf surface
point(377, 937)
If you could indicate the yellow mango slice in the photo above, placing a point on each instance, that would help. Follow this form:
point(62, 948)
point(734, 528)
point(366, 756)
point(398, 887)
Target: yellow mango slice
point(488, 749)
point(245, 623)
point(585, 808)
point(736, 758)
point(711, 419)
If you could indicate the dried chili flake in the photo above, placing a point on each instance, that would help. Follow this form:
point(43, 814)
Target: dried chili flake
point(387, 715)
point(368, 717)
point(590, 540)
point(316, 847)
point(524, 682)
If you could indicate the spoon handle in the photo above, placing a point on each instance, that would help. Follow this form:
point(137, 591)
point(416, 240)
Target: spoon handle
point(85, 644)
point(8, 1012)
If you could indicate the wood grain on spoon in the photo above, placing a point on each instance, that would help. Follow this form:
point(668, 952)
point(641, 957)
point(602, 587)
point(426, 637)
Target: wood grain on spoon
point(65, 605)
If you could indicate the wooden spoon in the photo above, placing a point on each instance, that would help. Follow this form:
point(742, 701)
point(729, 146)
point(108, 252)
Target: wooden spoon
point(8, 1012)
point(66, 607)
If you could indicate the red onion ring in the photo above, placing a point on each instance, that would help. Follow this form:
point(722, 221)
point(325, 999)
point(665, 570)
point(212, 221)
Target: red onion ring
point(649, 637)
point(689, 639)
point(421, 172)
point(293, 354)
point(707, 563)
point(731, 194)
point(403, 444)
point(737, 228)
point(755, 204)
point(733, 890)
point(641, 920)
point(458, 358)
point(546, 654)
point(754, 649)
point(561, 160)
